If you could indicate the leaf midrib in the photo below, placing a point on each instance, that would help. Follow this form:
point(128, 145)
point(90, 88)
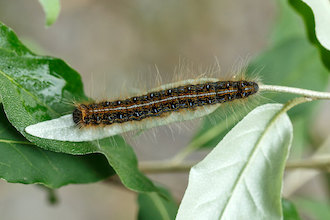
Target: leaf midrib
point(7, 141)
point(250, 158)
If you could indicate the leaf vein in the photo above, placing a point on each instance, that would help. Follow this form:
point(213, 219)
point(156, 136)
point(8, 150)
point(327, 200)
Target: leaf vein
point(5, 164)
point(23, 156)
point(49, 161)
point(252, 197)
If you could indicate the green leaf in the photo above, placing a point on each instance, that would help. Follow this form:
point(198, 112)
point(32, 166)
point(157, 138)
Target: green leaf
point(123, 160)
point(321, 10)
point(318, 34)
point(153, 206)
point(244, 171)
point(52, 9)
point(37, 88)
point(23, 162)
point(289, 210)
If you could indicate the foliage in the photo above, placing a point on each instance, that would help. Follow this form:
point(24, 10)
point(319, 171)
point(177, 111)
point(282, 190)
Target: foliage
point(23, 162)
point(318, 33)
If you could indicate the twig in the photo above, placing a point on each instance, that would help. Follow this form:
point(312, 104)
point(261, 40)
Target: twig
point(165, 166)
point(169, 167)
point(313, 163)
point(304, 92)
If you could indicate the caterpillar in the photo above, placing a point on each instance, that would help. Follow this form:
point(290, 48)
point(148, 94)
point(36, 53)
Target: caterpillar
point(160, 103)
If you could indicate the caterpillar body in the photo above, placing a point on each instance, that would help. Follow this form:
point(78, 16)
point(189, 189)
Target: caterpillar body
point(173, 102)
point(161, 102)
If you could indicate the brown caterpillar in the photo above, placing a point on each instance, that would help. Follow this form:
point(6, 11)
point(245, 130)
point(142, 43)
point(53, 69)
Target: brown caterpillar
point(161, 102)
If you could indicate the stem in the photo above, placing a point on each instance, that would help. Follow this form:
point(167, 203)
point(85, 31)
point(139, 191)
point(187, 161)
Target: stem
point(168, 166)
point(165, 166)
point(293, 102)
point(304, 92)
point(313, 163)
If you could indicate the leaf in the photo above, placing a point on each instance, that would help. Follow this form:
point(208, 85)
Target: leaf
point(37, 88)
point(52, 9)
point(321, 10)
point(289, 210)
point(242, 176)
point(153, 206)
point(123, 160)
point(317, 34)
point(23, 162)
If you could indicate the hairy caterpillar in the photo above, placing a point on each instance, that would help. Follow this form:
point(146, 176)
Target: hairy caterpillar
point(163, 102)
